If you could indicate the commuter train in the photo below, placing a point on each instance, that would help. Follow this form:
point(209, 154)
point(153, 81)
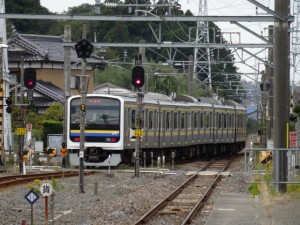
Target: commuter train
point(189, 127)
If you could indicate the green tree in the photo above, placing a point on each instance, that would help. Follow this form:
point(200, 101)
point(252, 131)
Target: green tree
point(53, 120)
point(28, 7)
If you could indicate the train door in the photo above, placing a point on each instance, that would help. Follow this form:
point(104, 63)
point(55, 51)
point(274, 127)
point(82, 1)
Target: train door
point(151, 137)
point(207, 126)
point(188, 134)
point(213, 125)
point(168, 128)
point(225, 123)
point(184, 127)
point(195, 127)
point(176, 128)
point(201, 130)
point(172, 128)
point(126, 127)
point(163, 127)
point(146, 127)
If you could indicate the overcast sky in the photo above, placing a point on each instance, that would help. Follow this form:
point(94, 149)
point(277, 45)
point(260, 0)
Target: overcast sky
point(215, 7)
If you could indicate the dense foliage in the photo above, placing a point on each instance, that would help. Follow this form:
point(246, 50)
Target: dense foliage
point(129, 31)
point(119, 61)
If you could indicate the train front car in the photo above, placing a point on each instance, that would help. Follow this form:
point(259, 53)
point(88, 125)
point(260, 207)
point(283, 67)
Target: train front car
point(104, 126)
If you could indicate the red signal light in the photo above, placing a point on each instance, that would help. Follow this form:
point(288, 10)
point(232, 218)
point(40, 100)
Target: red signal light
point(138, 76)
point(29, 78)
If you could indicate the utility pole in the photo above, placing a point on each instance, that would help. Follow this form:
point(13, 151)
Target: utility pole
point(21, 119)
point(67, 89)
point(83, 87)
point(190, 75)
point(83, 49)
point(281, 91)
point(270, 75)
point(138, 81)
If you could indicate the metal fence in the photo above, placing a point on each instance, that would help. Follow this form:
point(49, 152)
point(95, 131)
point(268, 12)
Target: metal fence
point(261, 163)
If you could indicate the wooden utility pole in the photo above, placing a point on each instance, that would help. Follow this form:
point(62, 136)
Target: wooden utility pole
point(281, 91)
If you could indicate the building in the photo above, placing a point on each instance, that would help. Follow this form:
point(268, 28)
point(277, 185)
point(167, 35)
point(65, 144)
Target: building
point(46, 54)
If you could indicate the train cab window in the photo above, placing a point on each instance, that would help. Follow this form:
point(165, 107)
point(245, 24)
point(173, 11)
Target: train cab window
point(151, 120)
point(168, 120)
point(175, 119)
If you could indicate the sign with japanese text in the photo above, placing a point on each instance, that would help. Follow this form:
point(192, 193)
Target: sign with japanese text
point(46, 189)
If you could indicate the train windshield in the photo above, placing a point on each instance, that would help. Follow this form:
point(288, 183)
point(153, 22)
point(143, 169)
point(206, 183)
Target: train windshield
point(102, 119)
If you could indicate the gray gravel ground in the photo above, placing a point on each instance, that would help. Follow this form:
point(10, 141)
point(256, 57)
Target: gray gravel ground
point(120, 199)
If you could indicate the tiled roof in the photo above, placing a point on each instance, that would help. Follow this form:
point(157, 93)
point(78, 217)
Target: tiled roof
point(41, 48)
point(51, 92)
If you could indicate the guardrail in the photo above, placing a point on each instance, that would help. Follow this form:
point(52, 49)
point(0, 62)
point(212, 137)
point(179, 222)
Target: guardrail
point(281, 165)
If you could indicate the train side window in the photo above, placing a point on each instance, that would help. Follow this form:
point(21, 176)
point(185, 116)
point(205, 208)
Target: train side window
point(146, 119)
point(133, 119)
point(196, 118)
point(182, 120)
point(162, 124)
point(168, 120)
point(201, 120)
point(175, 116)
point(225, 120)
point(151, 120)
point(189, 121)
point(208, 120)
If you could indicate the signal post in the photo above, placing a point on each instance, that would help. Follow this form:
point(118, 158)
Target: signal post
point(138, 81)
point(83, 50)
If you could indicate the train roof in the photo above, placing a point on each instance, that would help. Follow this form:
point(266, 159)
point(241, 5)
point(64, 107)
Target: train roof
point(180, 100)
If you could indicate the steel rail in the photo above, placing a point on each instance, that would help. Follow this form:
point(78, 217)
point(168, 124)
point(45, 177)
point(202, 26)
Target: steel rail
point(21, 179)
point(146, 217)
point(207, 193)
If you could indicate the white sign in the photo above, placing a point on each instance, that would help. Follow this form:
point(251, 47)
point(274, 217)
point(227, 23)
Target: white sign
point(46, 189)
point(81, 154)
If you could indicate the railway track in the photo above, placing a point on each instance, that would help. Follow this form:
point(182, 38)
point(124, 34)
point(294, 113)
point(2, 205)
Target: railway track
point(8, 181)
point(181, 206)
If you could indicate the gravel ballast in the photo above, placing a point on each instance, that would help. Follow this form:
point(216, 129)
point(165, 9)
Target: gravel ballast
point(109, 199)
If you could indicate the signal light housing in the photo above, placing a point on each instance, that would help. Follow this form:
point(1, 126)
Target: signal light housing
point(8, 102)
point(29, 78)
point(84, 49)
point(138, 76)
